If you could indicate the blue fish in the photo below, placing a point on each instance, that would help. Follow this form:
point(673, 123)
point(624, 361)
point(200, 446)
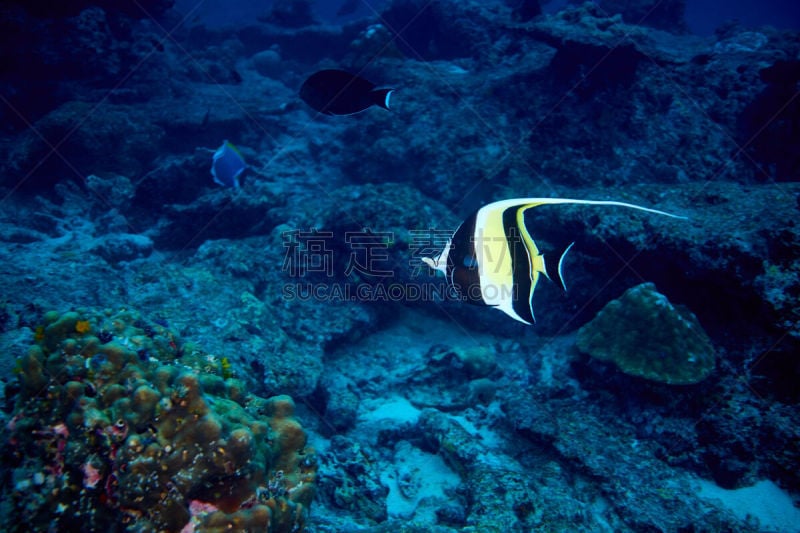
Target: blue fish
point(227, 165)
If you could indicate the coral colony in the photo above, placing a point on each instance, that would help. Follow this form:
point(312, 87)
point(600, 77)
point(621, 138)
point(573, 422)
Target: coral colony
point(117, 423)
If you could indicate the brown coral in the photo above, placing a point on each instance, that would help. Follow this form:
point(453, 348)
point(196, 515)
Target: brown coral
point(164, 445)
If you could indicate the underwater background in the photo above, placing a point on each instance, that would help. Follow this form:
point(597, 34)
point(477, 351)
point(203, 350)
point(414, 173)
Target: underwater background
point(267, 351)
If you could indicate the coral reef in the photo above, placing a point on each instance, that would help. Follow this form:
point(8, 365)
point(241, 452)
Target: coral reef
point(664, 498)
point(350, 480)
point(428, 415)
point(645, 335)
point(443, 30)
point(119, 422)
point(779, 283)
point(666, 15)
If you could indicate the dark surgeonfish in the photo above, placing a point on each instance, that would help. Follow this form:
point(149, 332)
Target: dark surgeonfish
point(493, 260)
point(348, 7)
point(336, 92)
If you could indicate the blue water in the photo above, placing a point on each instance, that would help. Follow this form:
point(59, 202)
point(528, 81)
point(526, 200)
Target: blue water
point(704, 16)
point(518, 271)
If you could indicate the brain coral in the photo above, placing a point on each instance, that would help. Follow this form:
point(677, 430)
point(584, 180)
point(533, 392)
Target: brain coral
point(645, 335)
point(119, 425)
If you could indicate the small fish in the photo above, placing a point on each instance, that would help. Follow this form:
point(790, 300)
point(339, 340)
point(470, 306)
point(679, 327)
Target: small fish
point(227, 165)
point(493, 260)
point(336, 92)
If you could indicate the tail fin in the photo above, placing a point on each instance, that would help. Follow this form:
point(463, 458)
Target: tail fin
point(554, 267)
point(381, 97)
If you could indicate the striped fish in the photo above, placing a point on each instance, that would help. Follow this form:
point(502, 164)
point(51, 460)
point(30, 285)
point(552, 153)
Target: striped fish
point(492, 258)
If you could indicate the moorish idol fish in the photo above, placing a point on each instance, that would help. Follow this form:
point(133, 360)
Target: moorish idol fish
point(493, 260)
point(227, 165)
point(336, 92)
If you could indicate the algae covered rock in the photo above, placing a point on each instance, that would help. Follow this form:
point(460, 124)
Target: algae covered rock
point(126, 426)
point(645, 335)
